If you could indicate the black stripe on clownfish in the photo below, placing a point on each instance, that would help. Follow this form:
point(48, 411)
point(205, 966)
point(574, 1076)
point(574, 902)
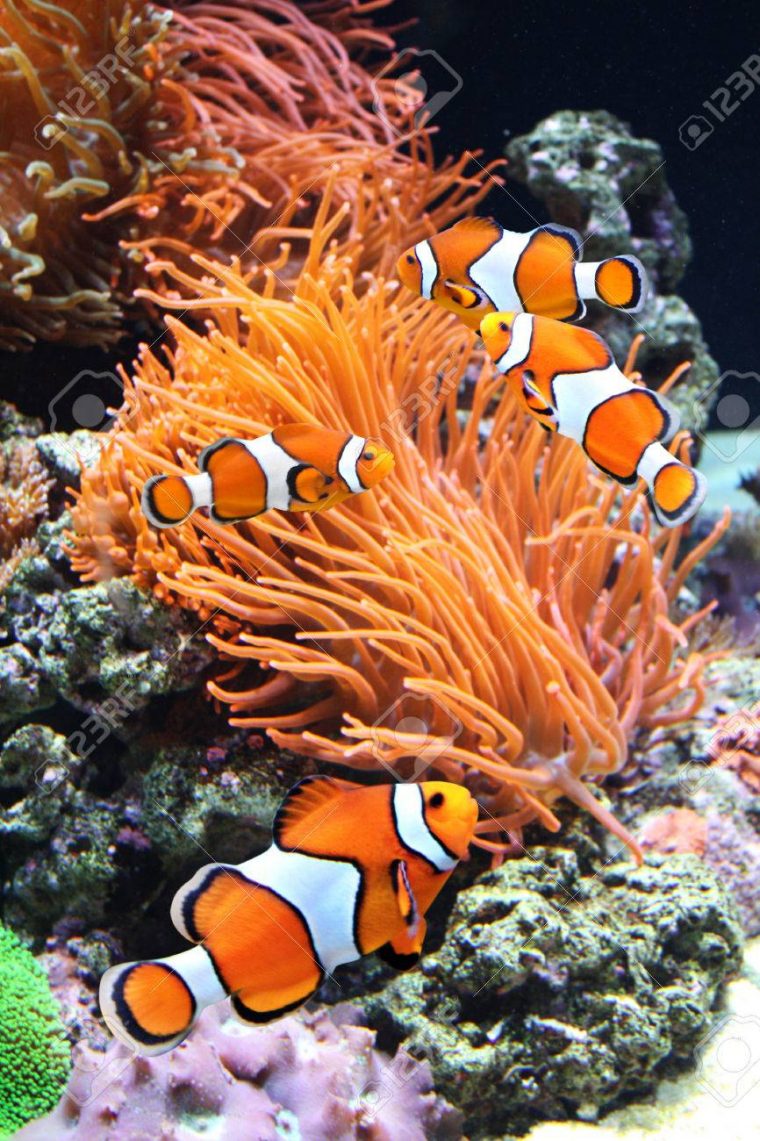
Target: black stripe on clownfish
point(328, 890)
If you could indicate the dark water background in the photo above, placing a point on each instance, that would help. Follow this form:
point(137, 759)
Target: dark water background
point(651, 64)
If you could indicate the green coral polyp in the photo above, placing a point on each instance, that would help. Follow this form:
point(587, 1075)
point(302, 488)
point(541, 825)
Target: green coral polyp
point(34, 1052)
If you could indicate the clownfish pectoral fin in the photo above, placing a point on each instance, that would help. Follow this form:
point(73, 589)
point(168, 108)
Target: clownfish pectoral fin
point(676, 492)
point(620, 282)
point(407, 904)
point(168, 500)
point(462, 295)
point(294, 819)
point(152, 1005)
point(403, 952)
point(308, 485)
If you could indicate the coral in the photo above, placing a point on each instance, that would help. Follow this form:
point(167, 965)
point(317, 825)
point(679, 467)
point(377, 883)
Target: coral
point(675, 830)
point(694, 1105)
point(750, 482)
point(220, 799)
point(567, 643)
point(594, 175)
point(90, 645)
point(736, 745)
point(34, 1054)
point(212, 127)
point(563, 993)
point(24, 487)
point(315, 1076)
point(597, 177)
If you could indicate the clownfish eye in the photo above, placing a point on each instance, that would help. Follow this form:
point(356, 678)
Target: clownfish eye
point(369, 455)
point(328, 480)
point(436, 800)
point(410, 259)
point(529, 376)
point(503, 327)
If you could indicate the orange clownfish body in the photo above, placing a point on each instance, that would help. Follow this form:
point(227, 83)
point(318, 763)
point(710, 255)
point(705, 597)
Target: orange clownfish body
point(567, 379)
point(296, 467)
point(327, 891)
point(477, 267)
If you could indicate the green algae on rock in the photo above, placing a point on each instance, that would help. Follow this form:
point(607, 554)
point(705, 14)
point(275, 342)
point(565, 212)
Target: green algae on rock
point(563, 994)
point(34, 1053)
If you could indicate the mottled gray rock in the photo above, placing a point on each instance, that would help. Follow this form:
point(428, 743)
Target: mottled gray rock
point(592, 174)
point(597, 177)
point(561, 994)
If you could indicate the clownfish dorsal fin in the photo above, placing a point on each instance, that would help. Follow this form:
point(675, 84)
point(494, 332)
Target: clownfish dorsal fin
point(312, 795)
point(286, 432)
point(479, 225)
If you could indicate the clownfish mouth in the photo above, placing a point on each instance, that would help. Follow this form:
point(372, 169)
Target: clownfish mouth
point(383, 465)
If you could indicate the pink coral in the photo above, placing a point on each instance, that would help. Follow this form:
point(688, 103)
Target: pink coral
point(315, 1076)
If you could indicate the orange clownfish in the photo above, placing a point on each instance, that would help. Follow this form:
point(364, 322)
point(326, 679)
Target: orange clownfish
point(567, 379)
point(297, 467)
point(327, 891)
point(477, 267)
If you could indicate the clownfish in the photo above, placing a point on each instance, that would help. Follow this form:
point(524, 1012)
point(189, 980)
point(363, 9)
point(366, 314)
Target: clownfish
point(329, 890)
point(477, 267)
point(297, 467)
point(567, 379)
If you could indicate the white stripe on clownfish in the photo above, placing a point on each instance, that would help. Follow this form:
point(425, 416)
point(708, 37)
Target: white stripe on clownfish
point(276, 463)
point(519, 346)
point(429, 267)
point(409, 813)
point(349, 458)
point(488, 272)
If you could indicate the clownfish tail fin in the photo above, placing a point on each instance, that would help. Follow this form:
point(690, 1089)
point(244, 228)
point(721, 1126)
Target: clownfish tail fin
point(620, 282)
point(676, 491)
point(167, 500)
point(152, 1005)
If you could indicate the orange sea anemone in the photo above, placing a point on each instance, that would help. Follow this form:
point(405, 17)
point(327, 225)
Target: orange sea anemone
point(127, 129)
point(24, 487)
point(495, 610)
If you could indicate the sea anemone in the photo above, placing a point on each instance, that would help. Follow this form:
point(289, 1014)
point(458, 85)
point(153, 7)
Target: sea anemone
point(496, 610)
point(127, 130)
point(24, 487)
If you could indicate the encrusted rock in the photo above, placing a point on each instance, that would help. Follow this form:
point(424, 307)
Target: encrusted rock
point(562, 994)
point(595, 176)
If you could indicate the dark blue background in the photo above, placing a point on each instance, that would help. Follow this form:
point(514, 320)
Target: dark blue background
point(650, 64)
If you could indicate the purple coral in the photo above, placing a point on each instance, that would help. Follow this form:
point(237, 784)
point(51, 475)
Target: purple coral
point(312, 1075)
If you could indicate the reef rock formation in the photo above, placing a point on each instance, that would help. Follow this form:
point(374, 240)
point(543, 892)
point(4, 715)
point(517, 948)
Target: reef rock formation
point(594, 175)
point(563, 993)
